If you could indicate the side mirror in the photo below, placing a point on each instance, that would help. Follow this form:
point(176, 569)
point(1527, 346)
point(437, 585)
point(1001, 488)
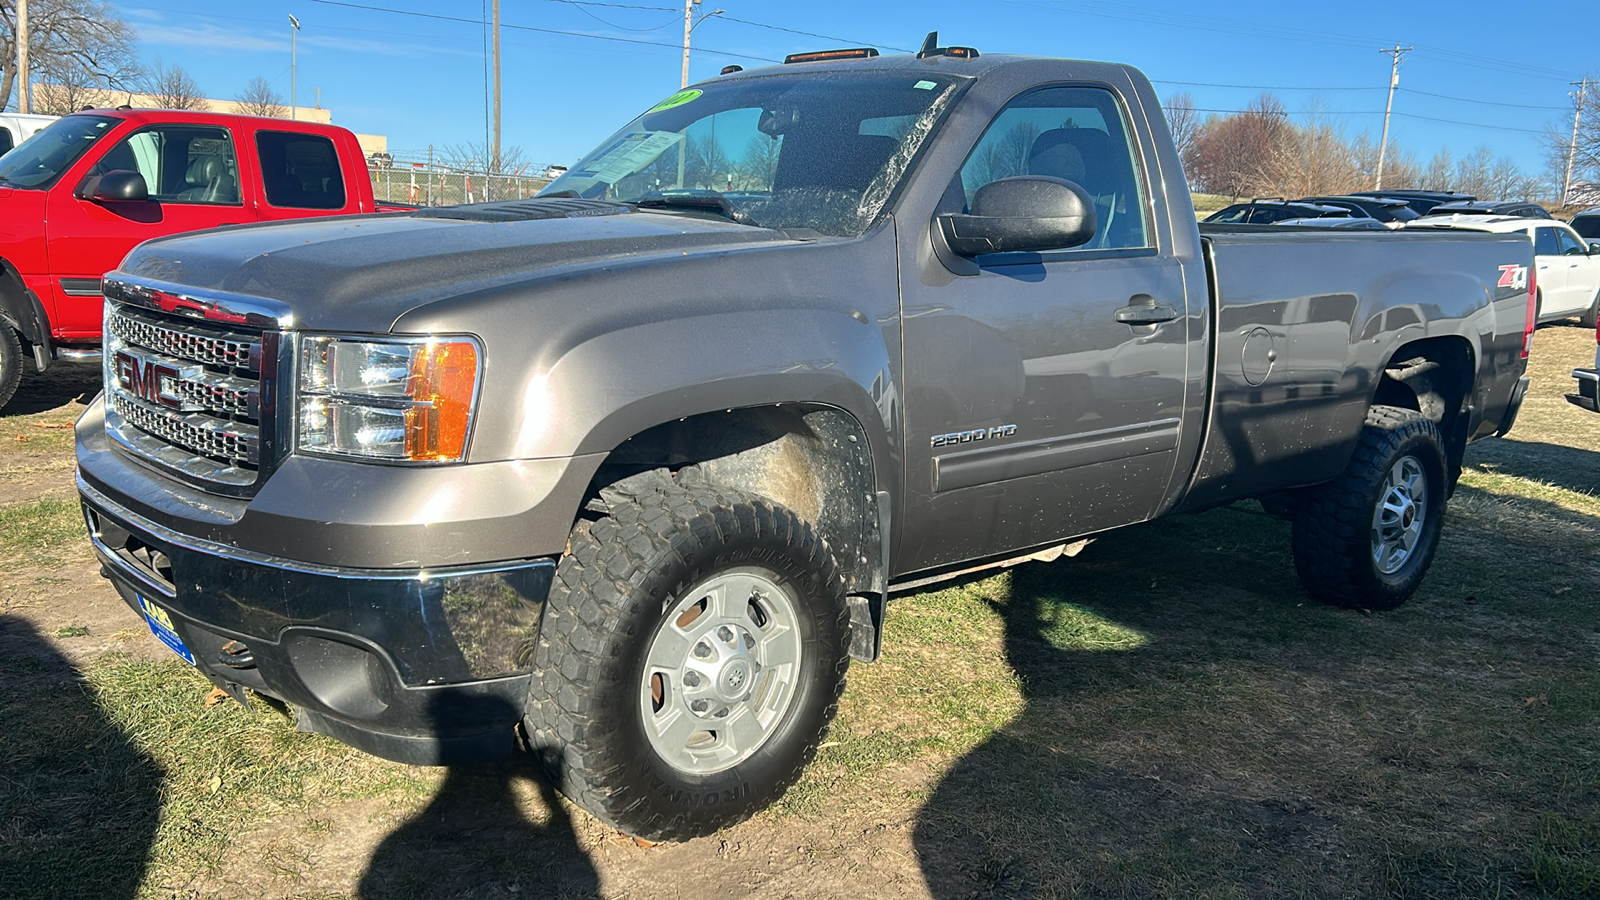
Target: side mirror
point(1026, 214)
point(1593, 248)
point(116, 186)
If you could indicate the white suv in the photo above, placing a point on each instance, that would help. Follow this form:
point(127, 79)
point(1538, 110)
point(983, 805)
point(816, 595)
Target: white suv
point(1569, 267)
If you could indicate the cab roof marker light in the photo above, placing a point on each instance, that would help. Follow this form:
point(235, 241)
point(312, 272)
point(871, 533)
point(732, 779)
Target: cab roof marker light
point(823, 55)
point(930, 47)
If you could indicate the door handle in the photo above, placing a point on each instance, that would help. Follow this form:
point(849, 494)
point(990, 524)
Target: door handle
point(1143, 310)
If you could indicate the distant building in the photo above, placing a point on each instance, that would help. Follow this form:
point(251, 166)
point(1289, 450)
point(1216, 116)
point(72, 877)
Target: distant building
point(95, 97)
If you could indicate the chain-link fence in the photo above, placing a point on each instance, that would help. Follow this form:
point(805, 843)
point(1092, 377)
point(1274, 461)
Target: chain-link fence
point(431, 183)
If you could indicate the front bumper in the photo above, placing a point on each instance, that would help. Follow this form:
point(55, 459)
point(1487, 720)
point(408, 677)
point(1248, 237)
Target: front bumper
point(1588, 389)
point(423, 666)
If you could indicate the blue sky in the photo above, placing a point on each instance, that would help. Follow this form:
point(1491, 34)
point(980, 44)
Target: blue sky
point(1480, 73)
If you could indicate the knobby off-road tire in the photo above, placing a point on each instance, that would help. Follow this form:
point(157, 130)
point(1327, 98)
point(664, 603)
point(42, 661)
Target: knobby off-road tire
point(691, 658)
point(1366, 539)
point(10, 363)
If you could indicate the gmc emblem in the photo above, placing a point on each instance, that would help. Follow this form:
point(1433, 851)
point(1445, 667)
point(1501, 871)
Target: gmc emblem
point(149, 380)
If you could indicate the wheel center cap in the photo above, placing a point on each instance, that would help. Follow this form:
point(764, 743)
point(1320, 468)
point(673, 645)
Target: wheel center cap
point(1408, 516)
point(735, 678)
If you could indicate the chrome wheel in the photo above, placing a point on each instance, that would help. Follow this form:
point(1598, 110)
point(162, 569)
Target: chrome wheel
point(721, 671)
point(1398, 519)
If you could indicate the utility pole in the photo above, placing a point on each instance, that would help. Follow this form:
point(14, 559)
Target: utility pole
point(689, 24)
point(1394, 82)
point(24, 96)
point(495, 165)
point(1572, 148)
point(294, 34)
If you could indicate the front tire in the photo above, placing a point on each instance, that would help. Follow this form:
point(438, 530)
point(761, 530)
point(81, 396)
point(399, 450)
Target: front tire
point(692, 654)
point(10, 363)
point(1365, 540)
point(1591, 316)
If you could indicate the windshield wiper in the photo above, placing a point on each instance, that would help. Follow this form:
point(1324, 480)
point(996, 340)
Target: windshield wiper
point(709, 201)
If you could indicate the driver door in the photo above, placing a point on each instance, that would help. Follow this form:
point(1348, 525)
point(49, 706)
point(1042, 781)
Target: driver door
point(1032, 413)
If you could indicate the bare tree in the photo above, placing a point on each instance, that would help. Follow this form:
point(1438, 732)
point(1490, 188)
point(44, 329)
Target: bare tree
point(1240, 154)
point(174, 88)
point(1183, 120)
point(259, 99)
point(759, 165)
point(1472, 172)
point(1582, 152)
point(1440, 173)
point(75, 49)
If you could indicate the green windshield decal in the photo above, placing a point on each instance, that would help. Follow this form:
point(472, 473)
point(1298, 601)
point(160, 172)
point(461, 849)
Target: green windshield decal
point(678, 99)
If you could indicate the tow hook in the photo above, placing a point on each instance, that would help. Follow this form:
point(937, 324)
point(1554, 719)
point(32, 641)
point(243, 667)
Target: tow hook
point(235, 655)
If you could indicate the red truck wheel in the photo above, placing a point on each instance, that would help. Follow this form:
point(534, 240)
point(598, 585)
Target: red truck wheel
point(1365, 540)
point(690, 659)
point(10, 363)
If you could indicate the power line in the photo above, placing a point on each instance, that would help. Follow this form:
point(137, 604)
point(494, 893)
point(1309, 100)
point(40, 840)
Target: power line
point(1263, 87)
point(1483, 102)
point(597, 37)
point(824, 37)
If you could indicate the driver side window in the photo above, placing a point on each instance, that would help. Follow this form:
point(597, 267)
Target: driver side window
point(1074, 133)
point(179, 164)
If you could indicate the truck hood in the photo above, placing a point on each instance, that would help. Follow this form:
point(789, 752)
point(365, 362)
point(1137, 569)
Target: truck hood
point(362, 273)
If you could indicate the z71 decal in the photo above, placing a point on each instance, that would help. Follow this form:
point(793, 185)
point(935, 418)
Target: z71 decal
point(1514, 277)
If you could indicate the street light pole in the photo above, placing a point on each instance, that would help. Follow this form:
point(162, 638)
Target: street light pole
point(690, 24)
point(294, 34)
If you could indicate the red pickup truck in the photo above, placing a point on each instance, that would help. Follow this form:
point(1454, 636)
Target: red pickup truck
point(77, 196)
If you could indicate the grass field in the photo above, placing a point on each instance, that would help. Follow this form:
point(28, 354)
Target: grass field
point(1165, 715)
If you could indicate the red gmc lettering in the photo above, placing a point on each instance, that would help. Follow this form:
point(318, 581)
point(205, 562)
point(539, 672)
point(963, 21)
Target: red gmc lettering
point(143, 379)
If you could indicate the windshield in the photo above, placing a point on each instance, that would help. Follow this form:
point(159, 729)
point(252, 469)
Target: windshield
point(822, 151)
point(38, 161)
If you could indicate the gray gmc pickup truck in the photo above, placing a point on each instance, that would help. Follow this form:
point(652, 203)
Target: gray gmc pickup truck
point(636, 464)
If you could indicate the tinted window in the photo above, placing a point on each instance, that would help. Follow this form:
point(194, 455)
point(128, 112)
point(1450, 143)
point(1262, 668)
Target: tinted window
point(180, 163)
point(1570, 245)
point(5, 141)
point(1073, 133)
point(1588, 226)
point(301, 171)
point(1544, 242)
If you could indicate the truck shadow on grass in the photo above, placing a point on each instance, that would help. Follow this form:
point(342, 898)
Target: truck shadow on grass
point(59, 385)
point(1193, 723)
point(79, 801)
point(476, 838)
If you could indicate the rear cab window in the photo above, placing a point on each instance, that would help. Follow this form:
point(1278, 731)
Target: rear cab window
point(300, 171)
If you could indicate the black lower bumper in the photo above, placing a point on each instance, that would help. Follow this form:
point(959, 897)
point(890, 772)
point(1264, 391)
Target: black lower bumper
point(425, 666)
point(1588, 389)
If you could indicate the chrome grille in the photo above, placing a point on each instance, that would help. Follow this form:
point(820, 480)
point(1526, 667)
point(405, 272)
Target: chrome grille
point(215, 351)
point(187, 395)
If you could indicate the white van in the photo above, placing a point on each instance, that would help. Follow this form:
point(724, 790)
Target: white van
point(18, 127)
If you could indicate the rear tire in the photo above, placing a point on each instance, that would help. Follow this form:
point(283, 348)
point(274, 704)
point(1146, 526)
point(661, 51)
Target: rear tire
point(691, 657)
point(1365, 540)
point(10, 363)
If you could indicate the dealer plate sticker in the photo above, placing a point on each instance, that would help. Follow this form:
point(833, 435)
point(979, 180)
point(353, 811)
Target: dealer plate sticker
point(161, 627)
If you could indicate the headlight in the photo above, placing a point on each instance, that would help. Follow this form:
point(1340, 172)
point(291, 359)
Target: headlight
point(396, 400)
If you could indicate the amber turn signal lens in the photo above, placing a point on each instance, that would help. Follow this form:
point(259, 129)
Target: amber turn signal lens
point(444, 377)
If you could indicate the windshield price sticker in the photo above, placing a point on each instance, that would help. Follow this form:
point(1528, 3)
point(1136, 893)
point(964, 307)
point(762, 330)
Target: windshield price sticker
point(627, 155)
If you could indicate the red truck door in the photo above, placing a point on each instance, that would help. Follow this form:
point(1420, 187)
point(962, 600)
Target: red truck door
point(301, 175)
point(192, 175)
